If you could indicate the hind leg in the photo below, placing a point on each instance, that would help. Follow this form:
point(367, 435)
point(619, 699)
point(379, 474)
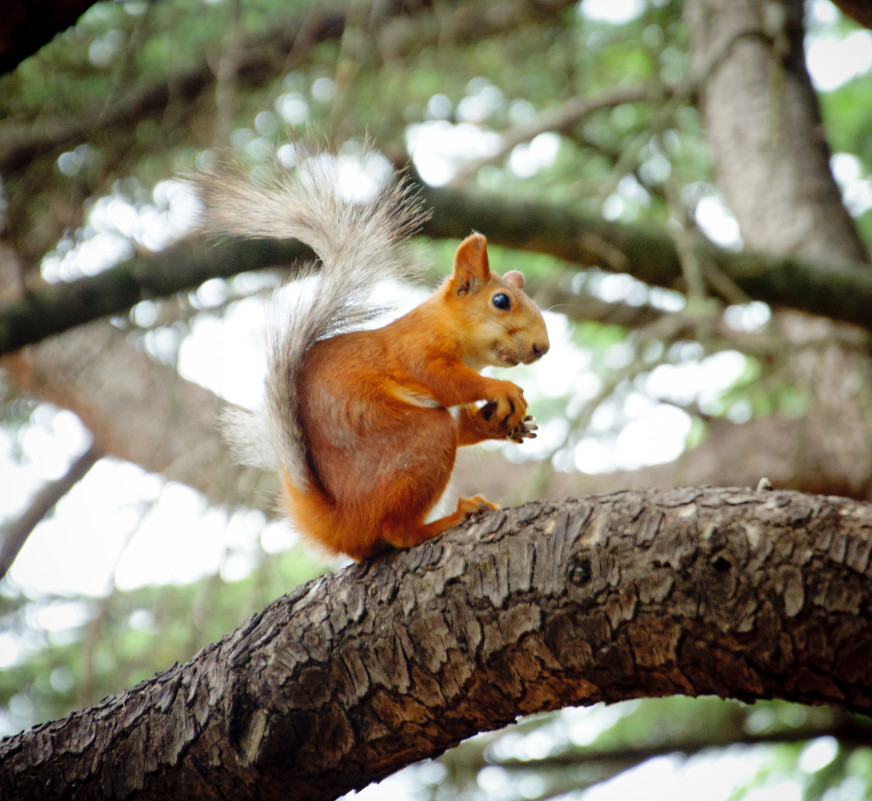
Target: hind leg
point(409, 535)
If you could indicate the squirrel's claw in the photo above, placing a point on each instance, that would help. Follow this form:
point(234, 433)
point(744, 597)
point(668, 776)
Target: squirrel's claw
point(524, 430)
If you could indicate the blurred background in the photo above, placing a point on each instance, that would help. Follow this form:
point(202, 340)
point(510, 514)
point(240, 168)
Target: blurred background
point(649, 165)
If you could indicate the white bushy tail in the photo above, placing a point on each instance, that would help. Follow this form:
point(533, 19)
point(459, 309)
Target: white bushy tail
point(359, 243)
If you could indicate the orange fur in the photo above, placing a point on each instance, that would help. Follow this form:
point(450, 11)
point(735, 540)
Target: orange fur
point(375, 409)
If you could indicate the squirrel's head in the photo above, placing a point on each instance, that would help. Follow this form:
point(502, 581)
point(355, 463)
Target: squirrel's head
point(501, 325)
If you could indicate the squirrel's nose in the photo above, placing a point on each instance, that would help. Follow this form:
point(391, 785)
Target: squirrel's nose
point(540, 349)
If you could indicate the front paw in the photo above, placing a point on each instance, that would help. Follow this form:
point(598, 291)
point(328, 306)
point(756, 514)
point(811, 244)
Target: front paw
point(509, 407)
point(499, 429)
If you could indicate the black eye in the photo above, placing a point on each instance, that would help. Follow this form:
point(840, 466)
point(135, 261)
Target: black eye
point(501, 301)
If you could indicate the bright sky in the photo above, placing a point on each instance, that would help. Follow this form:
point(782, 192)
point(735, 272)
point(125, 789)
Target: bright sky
point(127, 538)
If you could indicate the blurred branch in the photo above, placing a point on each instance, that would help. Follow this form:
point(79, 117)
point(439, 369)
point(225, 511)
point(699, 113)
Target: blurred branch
point(140, 410)
point(560, 118)
point(259, 59)
point(44, 501)
point(847, 730)
point(858, 10)
point(264, 57)
point(27, 26)
point(795, 452)
point(560, 772)
point(54, 308)
point(837, 290)
point(583, 305)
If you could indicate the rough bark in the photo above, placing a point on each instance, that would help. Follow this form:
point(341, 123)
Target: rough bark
point(694, 591)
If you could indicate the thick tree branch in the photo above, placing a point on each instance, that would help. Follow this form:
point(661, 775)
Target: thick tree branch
point(54, 308)
point(837, 290)
point(692, 591)
point(814, 286)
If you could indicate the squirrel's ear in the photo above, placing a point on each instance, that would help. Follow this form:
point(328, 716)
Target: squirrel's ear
point(515, 278)
point(471, 267)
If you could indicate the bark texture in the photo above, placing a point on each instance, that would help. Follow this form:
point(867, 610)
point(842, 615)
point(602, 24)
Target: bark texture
point(356, 674)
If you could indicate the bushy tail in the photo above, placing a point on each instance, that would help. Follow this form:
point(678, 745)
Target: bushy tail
point(359, 243)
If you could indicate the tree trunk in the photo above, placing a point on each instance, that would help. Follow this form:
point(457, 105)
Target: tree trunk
point(763, 123)
point(730, 592)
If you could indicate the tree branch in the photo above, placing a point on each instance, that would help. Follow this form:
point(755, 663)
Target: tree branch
point(840, 291)
point(27, 26)
point(560, 118)
point(54, 308)
point(265, 56)
point(857, 10)
point(44, 501)
point(834, 289)
point(692, 591)
point(141, 410)
point(848, 731)
point(404, 27)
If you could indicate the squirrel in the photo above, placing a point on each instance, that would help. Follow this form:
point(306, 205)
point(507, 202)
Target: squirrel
point(364, 424)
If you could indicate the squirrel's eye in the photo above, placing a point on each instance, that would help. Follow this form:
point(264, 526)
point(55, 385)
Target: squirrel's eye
point(501, 301)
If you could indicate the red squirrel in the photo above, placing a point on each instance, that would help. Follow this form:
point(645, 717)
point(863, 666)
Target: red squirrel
point(365, 423)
